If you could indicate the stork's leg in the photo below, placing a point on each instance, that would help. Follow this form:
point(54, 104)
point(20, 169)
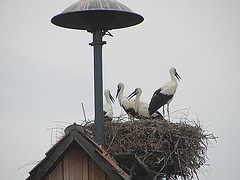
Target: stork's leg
point(163, 112)
point(132, 118)
point(168, 112)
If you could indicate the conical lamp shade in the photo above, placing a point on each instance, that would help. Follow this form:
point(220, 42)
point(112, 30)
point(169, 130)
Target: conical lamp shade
point(97, 14)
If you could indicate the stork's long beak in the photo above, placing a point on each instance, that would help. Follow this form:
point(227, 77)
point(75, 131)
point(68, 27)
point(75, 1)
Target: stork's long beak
point(178, 77)
point(112, 99)
point(131, 95)
point(118, 90)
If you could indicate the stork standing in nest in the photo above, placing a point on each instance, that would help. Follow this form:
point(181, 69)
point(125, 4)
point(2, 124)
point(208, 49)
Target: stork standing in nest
point(107, 107)
point(141, 107)
point(127, 105)
point(164, 95)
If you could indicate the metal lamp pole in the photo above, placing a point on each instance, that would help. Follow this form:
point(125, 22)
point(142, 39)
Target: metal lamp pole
point(98, 84)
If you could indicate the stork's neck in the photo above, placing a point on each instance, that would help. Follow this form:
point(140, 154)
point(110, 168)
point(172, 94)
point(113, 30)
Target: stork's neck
point(120, 94)
point(108, 99)
point(173, 77)
point(137, 101)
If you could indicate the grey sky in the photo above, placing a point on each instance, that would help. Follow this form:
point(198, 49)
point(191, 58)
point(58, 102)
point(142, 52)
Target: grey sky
point(46, 72)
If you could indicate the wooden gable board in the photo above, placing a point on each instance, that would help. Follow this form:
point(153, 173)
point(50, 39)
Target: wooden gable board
point(52, 157)
point(57, 152)
point(78, 165)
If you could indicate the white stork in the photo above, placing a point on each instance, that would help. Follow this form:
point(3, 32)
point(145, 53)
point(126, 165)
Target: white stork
point(164, 95)
point(127, 105)
point(107, 107)
point(141, 107)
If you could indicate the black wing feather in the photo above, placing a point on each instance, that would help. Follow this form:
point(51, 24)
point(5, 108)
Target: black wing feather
point(104, 113)
point(105, 117)
point(157, 115)
point(157, 101)
point(130, 111)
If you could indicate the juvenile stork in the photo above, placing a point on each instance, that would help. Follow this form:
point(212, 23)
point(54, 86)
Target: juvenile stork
point(107, 107)
point(127, 105)
point(164, 94)
point(141, 107)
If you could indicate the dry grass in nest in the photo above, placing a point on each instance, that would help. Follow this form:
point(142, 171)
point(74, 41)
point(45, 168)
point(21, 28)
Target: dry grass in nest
point(170, 150)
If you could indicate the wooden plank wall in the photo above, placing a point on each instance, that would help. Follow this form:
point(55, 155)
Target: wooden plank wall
point(77, 165)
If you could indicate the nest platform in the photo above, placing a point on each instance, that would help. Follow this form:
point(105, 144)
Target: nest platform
point(169, 150)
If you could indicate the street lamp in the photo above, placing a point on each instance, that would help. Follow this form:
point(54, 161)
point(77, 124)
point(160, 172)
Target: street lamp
point(97, 17)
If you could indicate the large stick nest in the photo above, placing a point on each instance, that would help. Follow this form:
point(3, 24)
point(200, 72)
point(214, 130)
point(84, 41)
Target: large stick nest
point(169, 149)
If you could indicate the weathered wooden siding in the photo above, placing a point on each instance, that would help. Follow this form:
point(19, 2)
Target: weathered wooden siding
point(77, 165)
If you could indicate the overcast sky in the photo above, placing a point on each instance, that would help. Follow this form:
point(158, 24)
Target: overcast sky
point(46, 72)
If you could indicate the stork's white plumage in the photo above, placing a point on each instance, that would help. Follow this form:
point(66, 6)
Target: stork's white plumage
point(164, 95)
point(127, 105)
point(141, 107)
point(107, 107)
